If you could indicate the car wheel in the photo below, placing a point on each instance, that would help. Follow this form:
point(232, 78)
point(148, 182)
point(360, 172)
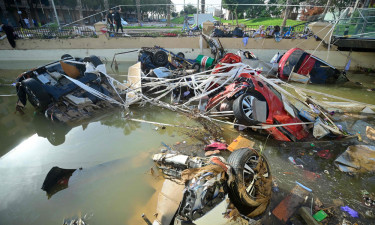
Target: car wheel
point(94, 60)
point(181, 55)
point(36, 94)
point(250, 191)
point(160, 59)
point(196, 67)
point(243, 109)
point(66, 56)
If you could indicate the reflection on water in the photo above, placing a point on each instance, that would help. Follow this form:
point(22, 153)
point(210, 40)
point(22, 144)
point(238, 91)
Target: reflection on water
point(57, 179)
point(114, 154)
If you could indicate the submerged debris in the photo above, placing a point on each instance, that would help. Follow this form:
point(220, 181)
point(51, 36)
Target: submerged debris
point(245, 176)
point(357, 159)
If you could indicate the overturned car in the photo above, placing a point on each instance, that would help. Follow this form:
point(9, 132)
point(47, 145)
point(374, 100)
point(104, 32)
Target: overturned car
point(299, 62)
point(70, 89)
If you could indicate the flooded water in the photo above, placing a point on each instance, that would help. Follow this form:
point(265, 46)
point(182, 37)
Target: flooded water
point(114, 153)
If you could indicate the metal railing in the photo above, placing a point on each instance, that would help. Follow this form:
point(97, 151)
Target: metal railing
point(249, 30)
point(360, 24)
point(55, 32)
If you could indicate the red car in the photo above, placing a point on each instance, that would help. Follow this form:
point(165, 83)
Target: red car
point(253, 102)
point(320, 72)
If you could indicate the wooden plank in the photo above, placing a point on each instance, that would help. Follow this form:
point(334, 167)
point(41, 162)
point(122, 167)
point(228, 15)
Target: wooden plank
point(307, 217)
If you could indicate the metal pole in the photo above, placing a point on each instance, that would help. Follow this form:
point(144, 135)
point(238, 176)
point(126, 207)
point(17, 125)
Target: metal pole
point(221, 10)
point(54, 9)
point(197, 13)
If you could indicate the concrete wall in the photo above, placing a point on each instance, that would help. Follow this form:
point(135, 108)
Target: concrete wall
point(52, 49)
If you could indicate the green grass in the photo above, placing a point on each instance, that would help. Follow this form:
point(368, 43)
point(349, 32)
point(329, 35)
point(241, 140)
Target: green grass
point(149, 27)
point(179, 20)
point(267, 21)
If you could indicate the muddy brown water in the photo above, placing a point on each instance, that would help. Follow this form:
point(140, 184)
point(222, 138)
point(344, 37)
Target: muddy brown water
point(113, 186)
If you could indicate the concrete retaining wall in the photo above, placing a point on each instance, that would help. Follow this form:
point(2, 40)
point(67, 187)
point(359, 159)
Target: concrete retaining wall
point(36, 49)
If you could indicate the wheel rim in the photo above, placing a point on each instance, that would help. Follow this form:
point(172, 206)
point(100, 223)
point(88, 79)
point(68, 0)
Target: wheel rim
point(160, 58)
point(247, 107)
point(249, 176)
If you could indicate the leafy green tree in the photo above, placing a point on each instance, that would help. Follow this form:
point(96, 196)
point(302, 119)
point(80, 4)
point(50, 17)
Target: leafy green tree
point(93, 4)
point(273, 11)
point(232, 6)
point(190, 9)
point(254, 11)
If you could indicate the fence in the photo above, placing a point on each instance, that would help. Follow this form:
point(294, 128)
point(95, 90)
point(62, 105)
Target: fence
point(89, 31)
point(294, 31)
point(360, 23)
point(55, 32)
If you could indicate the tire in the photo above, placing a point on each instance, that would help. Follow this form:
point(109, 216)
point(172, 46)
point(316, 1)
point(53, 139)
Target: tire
point(94, 60)
point(243, 110)
point(245, 201)
point(36, 94)
point(196, 67)
point(66, 56)
point(181, 55)
point(160, 59)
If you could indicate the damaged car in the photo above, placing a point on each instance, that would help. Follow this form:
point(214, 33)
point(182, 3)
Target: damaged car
point(200, 184)
point(69, 89)
point(297, 62)
point(253, 102)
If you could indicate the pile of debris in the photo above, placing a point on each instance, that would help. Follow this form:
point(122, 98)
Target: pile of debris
point(220, 87)
point(199, 184)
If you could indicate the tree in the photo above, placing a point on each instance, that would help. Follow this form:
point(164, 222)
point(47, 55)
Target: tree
point(31, 12)
point(190, 9)
point(168, 15)
point(232, 6)
point(3, 10)
point(286, 14)
point(138, 3)
point(93, 4)
point(203, 5)
point(272, 10)
point(254, 11)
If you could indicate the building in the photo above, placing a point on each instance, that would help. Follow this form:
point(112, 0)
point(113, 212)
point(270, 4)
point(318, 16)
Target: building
point(12, 11)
